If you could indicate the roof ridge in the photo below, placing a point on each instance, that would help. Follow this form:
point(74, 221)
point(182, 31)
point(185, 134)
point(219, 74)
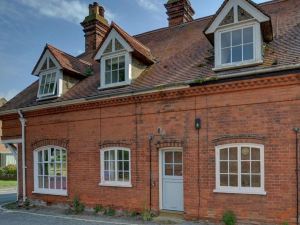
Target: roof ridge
point(83, 61)
point(268, 2)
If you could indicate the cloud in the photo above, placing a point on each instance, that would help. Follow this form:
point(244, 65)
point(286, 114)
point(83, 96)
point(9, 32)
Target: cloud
point(150, 5)
point(9, 94)
point(69, 10)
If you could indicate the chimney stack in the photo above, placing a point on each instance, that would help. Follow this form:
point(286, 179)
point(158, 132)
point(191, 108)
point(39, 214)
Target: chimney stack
point(95, 27)
point(179, 12)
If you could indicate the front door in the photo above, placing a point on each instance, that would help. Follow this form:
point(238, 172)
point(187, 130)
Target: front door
point(172, 180)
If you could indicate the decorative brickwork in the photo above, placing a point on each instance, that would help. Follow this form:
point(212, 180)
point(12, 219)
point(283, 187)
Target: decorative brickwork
point(55, 142)
point(120, 143)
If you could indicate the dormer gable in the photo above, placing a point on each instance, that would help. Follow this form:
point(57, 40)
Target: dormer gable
point(122, 58)
point(237, 32)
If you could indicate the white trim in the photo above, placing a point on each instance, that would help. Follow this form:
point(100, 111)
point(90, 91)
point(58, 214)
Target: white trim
point(48, 191)
point(240, 189)
point(114, 183)
point(254, 12)
point(11, 141)
point(46, 55)
point(112, 35)
point(160, 170)
point(257, 46)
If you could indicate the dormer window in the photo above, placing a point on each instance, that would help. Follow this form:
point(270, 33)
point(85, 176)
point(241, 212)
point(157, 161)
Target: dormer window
point(237, 36)
point(48, 79)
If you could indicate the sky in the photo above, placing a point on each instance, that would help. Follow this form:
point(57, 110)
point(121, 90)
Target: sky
point(27, 25)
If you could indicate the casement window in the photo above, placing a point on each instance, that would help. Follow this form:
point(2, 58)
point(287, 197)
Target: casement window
point(240, 169)
point(48, 79)
point(115, 167)
point(238, 46)
point(50, 170)
point(115, 70)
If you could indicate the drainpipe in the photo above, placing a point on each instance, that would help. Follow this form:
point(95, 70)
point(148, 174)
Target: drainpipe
point(23, 124)
point(150, 168)
point(297, 131)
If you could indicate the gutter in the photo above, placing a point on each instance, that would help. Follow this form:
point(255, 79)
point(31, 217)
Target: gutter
point(148, 91)
point(23, 124)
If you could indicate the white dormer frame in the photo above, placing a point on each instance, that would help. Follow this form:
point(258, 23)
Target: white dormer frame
point(217, 29)
point(58, 77)
point(126, 52)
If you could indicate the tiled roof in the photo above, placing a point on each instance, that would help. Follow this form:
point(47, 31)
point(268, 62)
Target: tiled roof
point(66, 61)
point(183, 53)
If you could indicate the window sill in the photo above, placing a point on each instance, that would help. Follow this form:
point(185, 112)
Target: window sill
point(126, 185)
point(58, 193)
point(116, 85)
point(40, 98)
point(237, 66)
point(238, 191)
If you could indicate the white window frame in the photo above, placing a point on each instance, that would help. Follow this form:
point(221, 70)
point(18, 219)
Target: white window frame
point(257, 46)
point(48, 191)
point(55, 89)
point(114, 183)
point(240, 189)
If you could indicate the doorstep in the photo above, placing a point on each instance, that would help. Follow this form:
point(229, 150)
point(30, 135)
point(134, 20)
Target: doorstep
point(169, 217)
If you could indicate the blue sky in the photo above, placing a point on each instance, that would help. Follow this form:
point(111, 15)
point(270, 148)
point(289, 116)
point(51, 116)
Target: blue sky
point(27, 25)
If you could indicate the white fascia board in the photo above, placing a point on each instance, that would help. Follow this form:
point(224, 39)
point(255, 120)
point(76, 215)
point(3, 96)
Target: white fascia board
point(258, 15)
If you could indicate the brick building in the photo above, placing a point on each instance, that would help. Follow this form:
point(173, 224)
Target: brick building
point(199, 117)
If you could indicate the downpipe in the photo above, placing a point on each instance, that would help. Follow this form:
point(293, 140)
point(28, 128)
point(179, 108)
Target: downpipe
point(297, 131)
point(23, 124)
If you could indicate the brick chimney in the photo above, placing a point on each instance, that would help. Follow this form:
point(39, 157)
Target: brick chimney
point(179, 12)
point(94, 26)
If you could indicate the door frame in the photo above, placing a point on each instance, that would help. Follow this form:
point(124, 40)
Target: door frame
point(161, 151)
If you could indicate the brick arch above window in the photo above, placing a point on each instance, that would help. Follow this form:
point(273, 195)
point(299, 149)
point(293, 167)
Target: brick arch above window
point(166, 143)
point(64, 143)
point(239, 138)
point(115, 143)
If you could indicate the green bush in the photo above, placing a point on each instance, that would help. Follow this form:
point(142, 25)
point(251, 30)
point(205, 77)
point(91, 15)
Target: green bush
point(10, 170)
point(26, 204)
point(98, 208)
point(109, 211)
point(1, 172)
point(229, 218)
point(78, 207)
point(285, 223)
point(147, 215)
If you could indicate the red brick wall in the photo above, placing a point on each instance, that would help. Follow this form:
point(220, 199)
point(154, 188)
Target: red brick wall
point(268, 112)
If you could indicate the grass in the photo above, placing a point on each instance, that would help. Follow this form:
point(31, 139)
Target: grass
point(5, 184)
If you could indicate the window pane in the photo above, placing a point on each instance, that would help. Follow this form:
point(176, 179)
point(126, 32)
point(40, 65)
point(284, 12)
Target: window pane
point(233, 167)
point(178, 157)
point(237, 54)
point(120, 166)
point(115, 63)
point(112, 166)
point(248, 35)
point(115, 76)
point(58, 169)
point(40, 169)
point(64, 169)
point(51, 63)
point(255, 167)
point(106, 155)
point(224, 154)
point(106, 175)
point(64, 155)
point(178, 170)
point(255, 179)
point(120, 155)
point(245, 180)
point(120, 176)
point(46, 155)
point(51, 169)
point(118, 45)
point(243, 15)
point(225, 40)
point(40, 178)
point(112, 175)
point(121, 75)
point(112, 155)
point(223, 180)
point(46, 167)
point(46, 182)
point(58, 155)
point(126, 166)
point(255, 154)
point(229, 18)
point(44, 67)
point(168, 170)
point(224, 167)
point(51, 88)
point(109, 47)
point(126, 176)
point(52, 182)
point(226, 55)
point(245, 153)
point(108, 78)
point(40, 156)
point(64, 183)
point(236, 37)
point(106, 165)
point(245, 167)
point(121, 62)
point(58, 182)
point(108, 65)
point(168, 157)
point(126, 155)
point(52, 155)
point(248, 52)
point(233, 154)
point(233, 180)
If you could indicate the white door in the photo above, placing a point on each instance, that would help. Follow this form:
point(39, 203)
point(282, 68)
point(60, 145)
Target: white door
point(172, 180)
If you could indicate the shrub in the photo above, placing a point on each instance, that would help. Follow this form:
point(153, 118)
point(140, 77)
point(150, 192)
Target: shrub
point(285, 223)
point(109, 211)
point(147, 215)
point(78, 207)
point(1, 172)
point(98, 208)
point(26, 204)
point(229, 218)
point(10, 170)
